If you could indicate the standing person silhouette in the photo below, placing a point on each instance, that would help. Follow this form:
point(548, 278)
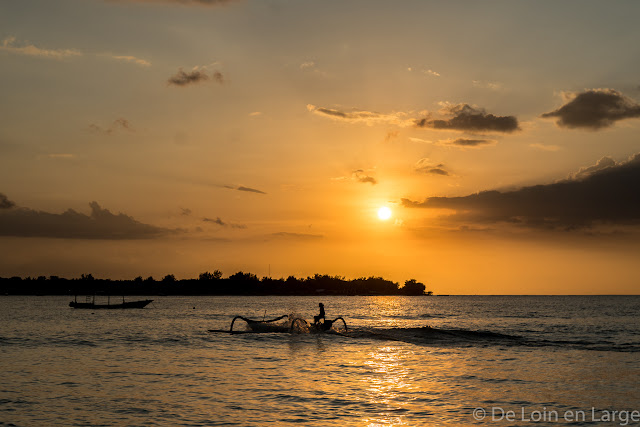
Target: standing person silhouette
point(317, 318)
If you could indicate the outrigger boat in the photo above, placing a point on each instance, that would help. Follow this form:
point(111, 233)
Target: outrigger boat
point(291, 325)
point(91, 304)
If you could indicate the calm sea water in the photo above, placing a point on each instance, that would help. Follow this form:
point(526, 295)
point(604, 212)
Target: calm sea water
point(550, 360)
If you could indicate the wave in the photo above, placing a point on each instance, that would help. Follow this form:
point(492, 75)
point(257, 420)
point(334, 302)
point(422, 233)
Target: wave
point(428, 335)
point(465, 337)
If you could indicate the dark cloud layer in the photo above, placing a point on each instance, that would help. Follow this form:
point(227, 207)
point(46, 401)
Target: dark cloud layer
point(608, 194)
point(469, 119)
point(197, 75)
point(100, 224)
point(595, 109)
point(5, 203)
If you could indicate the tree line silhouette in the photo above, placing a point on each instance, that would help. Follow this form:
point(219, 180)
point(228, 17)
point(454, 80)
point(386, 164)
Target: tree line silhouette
point(210, 283)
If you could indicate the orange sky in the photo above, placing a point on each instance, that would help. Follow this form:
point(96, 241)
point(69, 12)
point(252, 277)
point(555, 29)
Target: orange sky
point(155, 137)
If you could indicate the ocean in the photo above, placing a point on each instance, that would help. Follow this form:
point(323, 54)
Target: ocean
point(415, 361)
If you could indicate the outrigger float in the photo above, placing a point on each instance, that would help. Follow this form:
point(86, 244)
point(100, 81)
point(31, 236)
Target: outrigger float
point(291, 325)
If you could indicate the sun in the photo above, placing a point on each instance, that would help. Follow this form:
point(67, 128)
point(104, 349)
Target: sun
point(384, 213)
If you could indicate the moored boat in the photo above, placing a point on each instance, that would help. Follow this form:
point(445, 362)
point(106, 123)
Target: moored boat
point(124, 304)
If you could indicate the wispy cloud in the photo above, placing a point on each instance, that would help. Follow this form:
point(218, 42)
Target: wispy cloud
point(127, 58)
point(426, 166)
point(594, 109)
point(461, 143)
point(467, 143)
point(9, 45)
point(196, 75)
point(222, 223)
point(464, 117)
point(118, 124)
point(359, 175)
point(243, 188)
point(426, 71)
point(369, 118)
point(308, 65)
point(362, 177)
point(487, 85)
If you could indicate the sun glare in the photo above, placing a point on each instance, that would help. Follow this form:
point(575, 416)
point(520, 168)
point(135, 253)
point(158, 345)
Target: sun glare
point(384, 213)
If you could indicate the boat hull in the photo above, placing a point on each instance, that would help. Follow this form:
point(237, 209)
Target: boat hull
point(128, 304)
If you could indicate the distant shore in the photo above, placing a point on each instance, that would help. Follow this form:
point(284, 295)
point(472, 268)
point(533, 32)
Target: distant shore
point(210, 284)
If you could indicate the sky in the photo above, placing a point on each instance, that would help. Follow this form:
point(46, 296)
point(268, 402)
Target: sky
point(154, 137)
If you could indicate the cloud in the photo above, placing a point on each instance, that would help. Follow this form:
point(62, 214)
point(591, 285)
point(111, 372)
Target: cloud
point(360, 176)
point(420, 140)
point(470, 119)
point(182, 78)
point(218, 77)
point(100, 224)
point(222, 223)
point(428, 72)
point(391, 135)
point(594, 109)
point(465, 142)
point(180, 2)
point(544, 147)
point(127, 58)
point(243, 188)
point(9, 45)
point(5, 203)
point(196, 75)
point(462, 117)
point(487, 85)
point(585, 171)
point(458, 142)
point(307, 65)
point(360, 116)
point(605, 193)
point(296, 236)
point(118, 124)
point(215, 221)
point(426, 166)
point(312, 68)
